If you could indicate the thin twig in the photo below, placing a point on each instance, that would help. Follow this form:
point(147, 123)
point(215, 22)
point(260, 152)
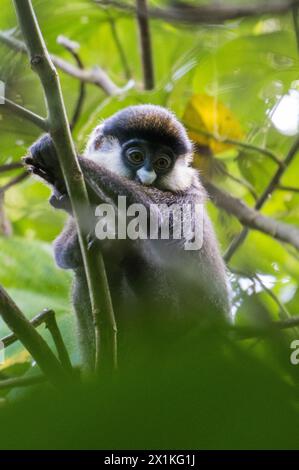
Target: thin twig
point(10, 167)
point(239, 239)
point(95, 76)
point(26, 114)
point(145, 44)
point(271, 294)
point(291, 189)
point(119, 46)
point(51, 324)
point(251, 217)
point(248, 332)
point(22, 382)
point(240, 181)
point(207, 14)
point(239, 143)
point(31, 339)
point(14, 181)
point(36, 321)
point(48, 317)
point(101, 304)
point(73, 47)
point(255, 277)
point(276, 178)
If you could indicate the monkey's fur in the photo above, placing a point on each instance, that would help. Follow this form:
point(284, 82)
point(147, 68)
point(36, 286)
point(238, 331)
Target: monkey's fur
point(146, 277)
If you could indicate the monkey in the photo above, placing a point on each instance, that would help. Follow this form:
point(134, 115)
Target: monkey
point(142, 153)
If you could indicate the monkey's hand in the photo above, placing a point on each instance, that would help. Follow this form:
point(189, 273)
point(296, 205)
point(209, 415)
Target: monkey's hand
point(43, 162)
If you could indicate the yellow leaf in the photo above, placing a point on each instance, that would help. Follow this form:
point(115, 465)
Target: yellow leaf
point(21, 357)
point(205, 116)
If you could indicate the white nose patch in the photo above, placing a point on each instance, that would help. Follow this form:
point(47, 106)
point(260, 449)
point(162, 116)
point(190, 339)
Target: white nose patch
point(146, 177)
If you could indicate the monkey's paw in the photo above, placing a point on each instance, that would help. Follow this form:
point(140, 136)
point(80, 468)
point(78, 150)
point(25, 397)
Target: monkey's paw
point(43, 162)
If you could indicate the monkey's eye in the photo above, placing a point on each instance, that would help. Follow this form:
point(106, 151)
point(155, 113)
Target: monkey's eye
point(135, 155)
point(163, 162)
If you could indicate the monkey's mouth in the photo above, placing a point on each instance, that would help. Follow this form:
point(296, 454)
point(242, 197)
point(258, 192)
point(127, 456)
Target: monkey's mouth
point(139, 180)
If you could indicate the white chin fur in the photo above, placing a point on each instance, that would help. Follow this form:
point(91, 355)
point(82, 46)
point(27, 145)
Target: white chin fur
point(180, 178)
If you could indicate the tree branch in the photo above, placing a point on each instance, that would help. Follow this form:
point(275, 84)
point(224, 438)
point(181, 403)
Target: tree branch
point(35, 322)
point(119, 46)
point(101, 305)
point(240, 181)
point(14, 181)
point(47, 317)
point(26, 114)
point(252, 218)
point(239, 143)
point(255, 277)
point(22, 382)
point(10, 167)
point(248, 332)
point(73, 47)
point(291, 189)
point(96, 76)
point(207, 14)
point(239, 239)
point(30, 338)
point(145, 44)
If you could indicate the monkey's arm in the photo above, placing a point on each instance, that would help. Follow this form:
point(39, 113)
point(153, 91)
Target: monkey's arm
point(102, 185)
point(107, 186)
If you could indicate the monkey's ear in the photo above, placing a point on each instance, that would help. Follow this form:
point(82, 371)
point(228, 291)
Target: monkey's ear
point(95, 141)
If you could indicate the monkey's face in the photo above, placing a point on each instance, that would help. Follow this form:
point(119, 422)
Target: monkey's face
point(144, 143)
point(147, 161)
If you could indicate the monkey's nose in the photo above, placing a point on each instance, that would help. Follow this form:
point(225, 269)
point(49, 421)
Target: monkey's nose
point(146, 177)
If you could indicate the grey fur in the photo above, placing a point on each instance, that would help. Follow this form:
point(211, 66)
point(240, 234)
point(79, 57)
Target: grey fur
point(146, 277)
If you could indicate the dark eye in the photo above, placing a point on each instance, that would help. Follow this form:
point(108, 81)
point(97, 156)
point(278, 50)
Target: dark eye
point(135, 155)
point(163, 162)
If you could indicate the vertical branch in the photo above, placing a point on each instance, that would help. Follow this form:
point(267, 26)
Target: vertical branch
point(145, 44)
point(119, 46)
point(62, 352)
point(73, 47)
point(60, 132)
